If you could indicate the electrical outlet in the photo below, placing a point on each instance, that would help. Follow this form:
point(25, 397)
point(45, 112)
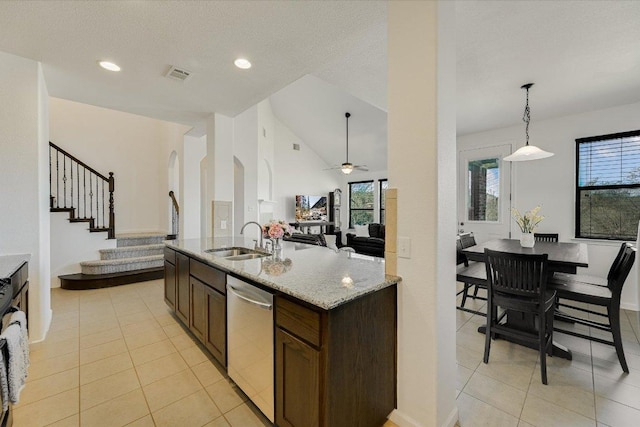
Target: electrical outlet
point(404, 247)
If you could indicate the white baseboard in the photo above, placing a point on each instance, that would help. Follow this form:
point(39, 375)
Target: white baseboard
point(403, 420)
point(45, 328)
point(628, 306)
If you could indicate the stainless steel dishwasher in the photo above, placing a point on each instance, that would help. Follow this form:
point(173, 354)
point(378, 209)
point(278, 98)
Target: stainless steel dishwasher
point(250, 342)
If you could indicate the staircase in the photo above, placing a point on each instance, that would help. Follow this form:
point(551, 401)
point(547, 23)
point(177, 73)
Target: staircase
point(136, 258)
point(87, 196)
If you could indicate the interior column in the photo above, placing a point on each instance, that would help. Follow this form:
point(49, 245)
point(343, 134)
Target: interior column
point(422, 166)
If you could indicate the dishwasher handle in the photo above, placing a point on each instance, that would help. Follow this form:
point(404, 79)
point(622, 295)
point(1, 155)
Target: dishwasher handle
point(237, 292)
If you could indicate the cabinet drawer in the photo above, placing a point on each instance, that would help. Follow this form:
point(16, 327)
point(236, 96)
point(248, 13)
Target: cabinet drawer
point(299, 320)
point(170, 255)
point(209, 275)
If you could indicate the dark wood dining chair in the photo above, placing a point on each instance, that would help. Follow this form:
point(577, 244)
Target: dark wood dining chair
point(470, 273)
point(596, 294)
point(546, 237)
point(518, 283)
point(465, 241)
point(594, 280)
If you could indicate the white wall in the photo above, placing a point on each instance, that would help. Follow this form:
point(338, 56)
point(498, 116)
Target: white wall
point(551, 182)
point(298, 172)
point(245, 149)
point(135, 148)
point(195, 149)
point(24, 223)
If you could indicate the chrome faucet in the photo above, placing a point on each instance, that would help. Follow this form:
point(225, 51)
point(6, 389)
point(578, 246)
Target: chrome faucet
point(252, 222)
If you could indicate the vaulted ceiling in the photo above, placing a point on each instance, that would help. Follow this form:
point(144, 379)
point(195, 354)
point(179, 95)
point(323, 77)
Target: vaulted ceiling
point(582, 55)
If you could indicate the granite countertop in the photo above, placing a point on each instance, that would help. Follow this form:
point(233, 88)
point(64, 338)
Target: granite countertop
point(9, 264)
point(314, 274)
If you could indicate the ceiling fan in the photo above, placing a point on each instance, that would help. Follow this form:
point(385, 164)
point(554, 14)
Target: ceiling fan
point(347, 167)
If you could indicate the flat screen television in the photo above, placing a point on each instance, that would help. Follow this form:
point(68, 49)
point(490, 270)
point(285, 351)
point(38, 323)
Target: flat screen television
point(311, 208)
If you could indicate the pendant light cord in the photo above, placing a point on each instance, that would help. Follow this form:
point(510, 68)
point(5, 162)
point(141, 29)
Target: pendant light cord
point(347, 115)
point(527, 115)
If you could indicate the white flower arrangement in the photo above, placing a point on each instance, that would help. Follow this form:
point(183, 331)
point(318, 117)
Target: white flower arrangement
point(529, 221)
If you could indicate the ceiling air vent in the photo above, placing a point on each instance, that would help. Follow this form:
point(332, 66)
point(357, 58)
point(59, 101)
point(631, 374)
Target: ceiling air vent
point(176, 73)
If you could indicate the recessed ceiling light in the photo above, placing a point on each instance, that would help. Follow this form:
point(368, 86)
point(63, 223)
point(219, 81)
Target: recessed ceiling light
point(242, 63)
point(109, 65)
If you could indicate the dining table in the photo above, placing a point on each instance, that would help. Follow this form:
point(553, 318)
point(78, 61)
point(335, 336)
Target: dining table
point(563, 257)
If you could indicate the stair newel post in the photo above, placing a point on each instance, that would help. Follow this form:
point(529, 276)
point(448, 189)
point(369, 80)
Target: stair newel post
point(112, 215)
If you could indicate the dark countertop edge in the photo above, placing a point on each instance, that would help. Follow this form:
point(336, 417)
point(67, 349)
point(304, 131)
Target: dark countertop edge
point(17, 259)
point(390, 280)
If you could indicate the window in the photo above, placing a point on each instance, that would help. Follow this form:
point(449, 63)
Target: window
point(483, 191)
point(608, 186)
point(360, 203)
point(384, 184)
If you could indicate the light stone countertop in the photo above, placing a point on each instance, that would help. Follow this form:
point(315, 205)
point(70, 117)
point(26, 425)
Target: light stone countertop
point(9, 264)
point(314, 274)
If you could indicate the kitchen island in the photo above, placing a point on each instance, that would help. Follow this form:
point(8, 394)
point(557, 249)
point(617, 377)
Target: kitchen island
point(334, 326)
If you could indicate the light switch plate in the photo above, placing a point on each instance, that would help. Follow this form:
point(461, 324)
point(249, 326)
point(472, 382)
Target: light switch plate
point(223, 225)
point(404, 247)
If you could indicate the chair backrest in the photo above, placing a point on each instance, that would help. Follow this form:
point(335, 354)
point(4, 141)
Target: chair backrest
point(617, 260)
point(460, 257)
point(546, 237)
point(622, 269)
point(516, 274)
point(467, 240)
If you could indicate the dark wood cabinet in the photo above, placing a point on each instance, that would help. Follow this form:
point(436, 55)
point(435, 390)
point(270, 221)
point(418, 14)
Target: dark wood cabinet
point(216, 331)
point(336, 368)
point(197, 294)
point(198, 310)
point(298, 385)
point(170, 284)
point(182, 288)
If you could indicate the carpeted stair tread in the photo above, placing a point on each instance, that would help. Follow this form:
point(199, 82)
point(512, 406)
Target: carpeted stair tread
point(139, 239)
point(122, 264)
point(131, 251)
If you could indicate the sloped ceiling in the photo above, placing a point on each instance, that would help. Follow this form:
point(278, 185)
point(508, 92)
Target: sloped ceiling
point(315, 111)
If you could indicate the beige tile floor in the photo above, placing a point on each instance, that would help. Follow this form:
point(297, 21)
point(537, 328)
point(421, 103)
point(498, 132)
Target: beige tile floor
point(116, 357)
point(590, 390)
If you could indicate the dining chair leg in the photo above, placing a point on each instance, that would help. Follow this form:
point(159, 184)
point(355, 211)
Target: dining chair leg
point(464, 294)
point(542, 343)
point(475, 292)
point(488, 332)
point(614, 318)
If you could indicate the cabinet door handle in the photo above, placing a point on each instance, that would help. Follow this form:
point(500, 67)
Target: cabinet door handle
point(236, 291)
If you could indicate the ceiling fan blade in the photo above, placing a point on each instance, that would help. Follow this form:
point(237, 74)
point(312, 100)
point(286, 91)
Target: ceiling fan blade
point(363, 168)
point(333, 168)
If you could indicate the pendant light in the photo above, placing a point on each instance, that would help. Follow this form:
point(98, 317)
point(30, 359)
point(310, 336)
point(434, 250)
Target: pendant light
point(528, 152)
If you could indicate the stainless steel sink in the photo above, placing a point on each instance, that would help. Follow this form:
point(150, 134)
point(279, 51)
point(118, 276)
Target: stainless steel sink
point(236, 253)
point(245, 257)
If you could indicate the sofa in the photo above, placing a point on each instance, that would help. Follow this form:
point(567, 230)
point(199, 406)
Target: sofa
point(372, 245)
point(309, 239)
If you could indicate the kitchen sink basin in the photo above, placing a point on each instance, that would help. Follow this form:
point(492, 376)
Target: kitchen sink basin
point(245, 257)
point(236, 253)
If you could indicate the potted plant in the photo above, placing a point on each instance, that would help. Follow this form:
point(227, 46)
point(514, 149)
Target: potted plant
point(527, 223)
